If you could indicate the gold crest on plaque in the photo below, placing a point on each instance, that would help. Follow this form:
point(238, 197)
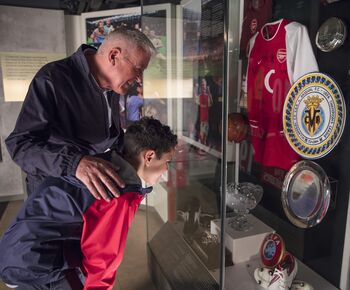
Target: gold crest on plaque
point(312, 118)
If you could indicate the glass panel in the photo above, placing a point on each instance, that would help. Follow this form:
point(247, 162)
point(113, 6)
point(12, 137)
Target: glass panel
point(269, 45)
point(279, 43)
point(183, 87)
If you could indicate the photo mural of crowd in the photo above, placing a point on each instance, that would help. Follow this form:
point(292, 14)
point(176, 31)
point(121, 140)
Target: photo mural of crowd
point(99, 27)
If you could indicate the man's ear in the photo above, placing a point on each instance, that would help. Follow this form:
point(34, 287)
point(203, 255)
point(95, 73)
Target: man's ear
point(114, 55)
point(148, 156)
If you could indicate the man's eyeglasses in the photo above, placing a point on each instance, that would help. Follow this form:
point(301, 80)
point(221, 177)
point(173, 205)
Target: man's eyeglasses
point(137, 70)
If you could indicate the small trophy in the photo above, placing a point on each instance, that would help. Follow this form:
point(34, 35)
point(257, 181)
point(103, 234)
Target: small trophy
point(242, 197)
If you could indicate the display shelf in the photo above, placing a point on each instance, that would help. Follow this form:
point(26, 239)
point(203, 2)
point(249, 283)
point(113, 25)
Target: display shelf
point(240, 276)
point(242, 244)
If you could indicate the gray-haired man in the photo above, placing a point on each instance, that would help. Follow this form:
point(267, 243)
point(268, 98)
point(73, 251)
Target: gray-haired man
point(71, 112)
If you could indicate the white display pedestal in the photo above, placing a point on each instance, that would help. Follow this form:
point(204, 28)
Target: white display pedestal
point(245, 248)
point(243, 245)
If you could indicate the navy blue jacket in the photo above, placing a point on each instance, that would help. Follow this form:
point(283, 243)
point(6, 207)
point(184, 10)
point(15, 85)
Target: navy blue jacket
point(64, 116)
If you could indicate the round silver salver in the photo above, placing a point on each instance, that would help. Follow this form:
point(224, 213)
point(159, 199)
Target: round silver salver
point(331, 34)
point(305, 194)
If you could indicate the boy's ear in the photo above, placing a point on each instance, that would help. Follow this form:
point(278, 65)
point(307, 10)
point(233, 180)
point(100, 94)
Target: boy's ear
point(148, 156)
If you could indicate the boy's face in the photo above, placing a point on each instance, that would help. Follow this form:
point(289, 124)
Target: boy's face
point(156, 167)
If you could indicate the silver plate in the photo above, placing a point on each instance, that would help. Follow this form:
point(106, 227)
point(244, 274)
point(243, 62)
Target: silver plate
point(331, 34)
point(305, 194)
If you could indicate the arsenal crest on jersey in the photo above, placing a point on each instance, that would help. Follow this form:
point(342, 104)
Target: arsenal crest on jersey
point(281, 55)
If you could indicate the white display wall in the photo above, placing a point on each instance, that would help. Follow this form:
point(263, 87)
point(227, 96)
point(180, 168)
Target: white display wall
point(23, 30)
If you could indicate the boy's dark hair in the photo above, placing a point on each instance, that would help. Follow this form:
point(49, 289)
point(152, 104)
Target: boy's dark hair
point(148, 134)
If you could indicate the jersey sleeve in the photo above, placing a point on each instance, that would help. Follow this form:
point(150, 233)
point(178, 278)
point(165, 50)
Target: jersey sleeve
point(103, 240)
point(300, 57)
point(244, 84)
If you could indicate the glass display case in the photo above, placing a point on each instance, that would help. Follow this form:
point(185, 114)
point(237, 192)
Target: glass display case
point(256, 196)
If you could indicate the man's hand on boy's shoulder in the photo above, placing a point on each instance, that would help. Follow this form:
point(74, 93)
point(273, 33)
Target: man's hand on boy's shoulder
point(99, 175)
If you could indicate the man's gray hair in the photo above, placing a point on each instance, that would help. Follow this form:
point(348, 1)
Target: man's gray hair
point(135, 38)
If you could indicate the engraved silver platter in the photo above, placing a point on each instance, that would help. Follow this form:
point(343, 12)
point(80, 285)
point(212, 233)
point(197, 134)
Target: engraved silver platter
point(305, 194)
point(331, 34)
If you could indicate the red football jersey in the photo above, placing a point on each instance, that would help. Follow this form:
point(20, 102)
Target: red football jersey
point(255, 16)
point(279, 54)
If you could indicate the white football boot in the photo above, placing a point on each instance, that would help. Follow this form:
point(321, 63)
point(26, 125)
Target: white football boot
point(284, 273)
point(301, 285)
point(263, 276)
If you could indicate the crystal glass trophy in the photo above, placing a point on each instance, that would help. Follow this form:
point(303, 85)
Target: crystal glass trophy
point(242, 197)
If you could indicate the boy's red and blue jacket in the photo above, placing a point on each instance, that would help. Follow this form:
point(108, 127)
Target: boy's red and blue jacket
point(62, 226)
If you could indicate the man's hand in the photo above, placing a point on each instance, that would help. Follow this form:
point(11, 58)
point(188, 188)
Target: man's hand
point(98, 175)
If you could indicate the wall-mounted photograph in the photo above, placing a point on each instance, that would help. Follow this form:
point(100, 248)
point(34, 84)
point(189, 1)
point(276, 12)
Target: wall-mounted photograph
point(97, 25)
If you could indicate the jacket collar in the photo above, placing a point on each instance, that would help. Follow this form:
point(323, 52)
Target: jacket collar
point(129, 175)
point(81, 62)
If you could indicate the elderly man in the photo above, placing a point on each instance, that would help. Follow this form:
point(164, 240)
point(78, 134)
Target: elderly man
point(71, 112)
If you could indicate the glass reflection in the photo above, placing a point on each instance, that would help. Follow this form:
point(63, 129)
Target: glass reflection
point(304, 195)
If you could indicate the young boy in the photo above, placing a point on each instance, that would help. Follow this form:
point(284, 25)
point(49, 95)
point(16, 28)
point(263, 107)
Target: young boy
point(62, 231)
